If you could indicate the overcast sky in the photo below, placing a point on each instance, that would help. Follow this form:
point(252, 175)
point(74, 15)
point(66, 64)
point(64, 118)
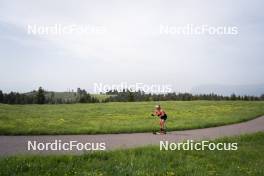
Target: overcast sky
point(131, 49)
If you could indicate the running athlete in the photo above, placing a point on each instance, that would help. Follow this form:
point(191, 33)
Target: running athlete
point(163, 117)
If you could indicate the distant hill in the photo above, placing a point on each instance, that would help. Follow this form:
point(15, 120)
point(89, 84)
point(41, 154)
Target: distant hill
point(252, 90)
point(69, 95)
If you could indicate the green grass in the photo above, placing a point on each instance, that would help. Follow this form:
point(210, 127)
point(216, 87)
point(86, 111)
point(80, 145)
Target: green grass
point(122, 117)
point(248, 160)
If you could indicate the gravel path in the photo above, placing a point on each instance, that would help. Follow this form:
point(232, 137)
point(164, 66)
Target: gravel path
point(11, 145)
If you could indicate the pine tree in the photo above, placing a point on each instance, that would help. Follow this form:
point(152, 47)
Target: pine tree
point(1, 97)
point(41, 96)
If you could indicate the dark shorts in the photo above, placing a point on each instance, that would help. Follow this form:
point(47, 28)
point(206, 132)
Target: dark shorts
point(164, 117)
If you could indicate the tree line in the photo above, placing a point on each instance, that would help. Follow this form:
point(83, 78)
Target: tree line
point(128, 96)
point(41, 96)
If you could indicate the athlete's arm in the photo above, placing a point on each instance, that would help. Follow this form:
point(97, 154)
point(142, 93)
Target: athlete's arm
point(154, 113)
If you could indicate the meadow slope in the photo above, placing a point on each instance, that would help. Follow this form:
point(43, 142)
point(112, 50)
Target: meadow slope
point(122, 117)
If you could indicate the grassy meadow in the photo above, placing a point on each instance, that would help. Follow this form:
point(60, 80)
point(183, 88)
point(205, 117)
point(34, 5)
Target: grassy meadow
point(248, 160)
point(122, 117)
